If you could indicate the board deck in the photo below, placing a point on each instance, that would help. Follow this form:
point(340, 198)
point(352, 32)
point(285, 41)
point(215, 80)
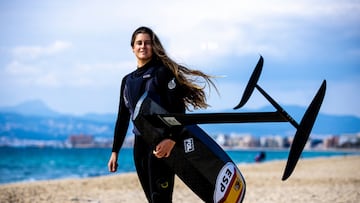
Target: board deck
point(197, 159)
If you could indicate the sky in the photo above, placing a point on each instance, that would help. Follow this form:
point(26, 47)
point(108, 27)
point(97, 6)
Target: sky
point(73, 54)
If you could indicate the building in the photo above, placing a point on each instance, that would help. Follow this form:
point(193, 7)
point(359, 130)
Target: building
point(81, 141)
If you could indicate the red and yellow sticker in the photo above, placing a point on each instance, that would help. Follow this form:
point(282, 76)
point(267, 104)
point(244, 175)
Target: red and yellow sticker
point(230, 185)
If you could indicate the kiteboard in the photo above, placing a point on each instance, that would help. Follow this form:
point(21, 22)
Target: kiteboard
point(196, 159)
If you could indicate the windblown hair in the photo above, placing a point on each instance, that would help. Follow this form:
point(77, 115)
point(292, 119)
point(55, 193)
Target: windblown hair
point(195, 95)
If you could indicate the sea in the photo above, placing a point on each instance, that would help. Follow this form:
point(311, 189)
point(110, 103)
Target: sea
point(35, 164)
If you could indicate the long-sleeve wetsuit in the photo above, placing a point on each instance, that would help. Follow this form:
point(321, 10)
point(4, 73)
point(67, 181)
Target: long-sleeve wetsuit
point(155, 176)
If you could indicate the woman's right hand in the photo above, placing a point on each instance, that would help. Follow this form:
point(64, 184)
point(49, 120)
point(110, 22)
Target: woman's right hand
point(112, 164)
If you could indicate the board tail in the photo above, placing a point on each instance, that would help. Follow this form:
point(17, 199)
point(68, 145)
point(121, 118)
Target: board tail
point(230, 185)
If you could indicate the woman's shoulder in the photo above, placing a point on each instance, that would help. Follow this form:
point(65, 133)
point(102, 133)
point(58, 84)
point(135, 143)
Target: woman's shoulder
point(163, 71)
point(127, 75)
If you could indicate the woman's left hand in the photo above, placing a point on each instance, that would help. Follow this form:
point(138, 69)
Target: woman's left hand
point(163, 149)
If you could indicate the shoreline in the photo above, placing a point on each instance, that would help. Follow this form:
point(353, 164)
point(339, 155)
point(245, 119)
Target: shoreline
point(345, 150)
point(331, 179)
point(223, 147)
point(356, 153)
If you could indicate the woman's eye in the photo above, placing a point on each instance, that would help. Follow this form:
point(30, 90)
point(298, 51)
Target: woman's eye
point(140, 43)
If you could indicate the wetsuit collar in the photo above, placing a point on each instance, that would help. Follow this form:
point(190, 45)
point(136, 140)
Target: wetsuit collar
point(141, 70)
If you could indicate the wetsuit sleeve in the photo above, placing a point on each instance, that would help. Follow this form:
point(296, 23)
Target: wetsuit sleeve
point(122, 121)
point(171, 94)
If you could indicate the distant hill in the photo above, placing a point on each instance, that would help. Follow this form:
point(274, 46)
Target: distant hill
point(35, 120)
point(31, 108)
point(15, 125)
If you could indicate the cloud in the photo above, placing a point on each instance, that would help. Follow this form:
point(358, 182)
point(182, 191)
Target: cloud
point(81, 75)
point(50, 66)
point(224, 37)
point(18, 68)
point(277, 29)
point(36, 51)
point(236, 27)
point(98, 75)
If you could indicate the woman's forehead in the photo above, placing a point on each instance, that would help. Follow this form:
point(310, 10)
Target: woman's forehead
point(142, 36)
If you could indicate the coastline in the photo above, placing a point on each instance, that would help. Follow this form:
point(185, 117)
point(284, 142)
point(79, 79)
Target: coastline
point(345, 150)
point(36, 164)
point(332, 179)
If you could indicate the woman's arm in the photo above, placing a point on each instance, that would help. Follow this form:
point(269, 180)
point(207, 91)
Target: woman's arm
point(121, 127)
point(171, 95)
point(122, 121)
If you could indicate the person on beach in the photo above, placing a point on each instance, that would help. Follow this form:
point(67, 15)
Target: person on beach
point(261, 156)
point(178, 90)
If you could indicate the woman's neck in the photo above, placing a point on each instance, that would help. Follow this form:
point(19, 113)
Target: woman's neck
point(142, 63)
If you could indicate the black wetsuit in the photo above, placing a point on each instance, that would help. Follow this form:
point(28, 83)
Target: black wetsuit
point(156, 178)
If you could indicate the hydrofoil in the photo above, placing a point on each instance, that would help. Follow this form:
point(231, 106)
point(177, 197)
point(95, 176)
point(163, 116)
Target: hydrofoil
point(303, 129)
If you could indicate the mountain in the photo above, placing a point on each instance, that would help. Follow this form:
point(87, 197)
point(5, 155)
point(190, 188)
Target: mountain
point(32, 108)
point(35, 120)
point(14, 125)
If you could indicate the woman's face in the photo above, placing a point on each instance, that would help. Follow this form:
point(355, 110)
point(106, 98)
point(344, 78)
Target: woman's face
point(142, 48)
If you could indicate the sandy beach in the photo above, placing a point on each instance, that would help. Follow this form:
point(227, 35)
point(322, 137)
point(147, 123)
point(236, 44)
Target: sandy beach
point(314, 180)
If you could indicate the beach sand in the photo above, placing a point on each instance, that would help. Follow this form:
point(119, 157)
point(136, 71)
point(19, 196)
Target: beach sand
point(314, 180)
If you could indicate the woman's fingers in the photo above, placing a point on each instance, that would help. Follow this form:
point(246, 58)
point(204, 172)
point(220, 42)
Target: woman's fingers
point(163, 149)
point(159, 154)
point(112, 164)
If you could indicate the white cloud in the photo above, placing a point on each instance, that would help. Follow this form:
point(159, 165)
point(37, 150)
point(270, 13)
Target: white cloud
point(201, 32)
point(99, 75)
point(274, 28)
point(48, 80)
point(18, 68)
point(236, 27)
point(36, 51)
point(36, 66)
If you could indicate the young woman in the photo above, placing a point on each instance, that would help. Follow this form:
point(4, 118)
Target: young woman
point(178, 88)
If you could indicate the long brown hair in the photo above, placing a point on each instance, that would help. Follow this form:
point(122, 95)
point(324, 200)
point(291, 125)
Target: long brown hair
point(190, 79)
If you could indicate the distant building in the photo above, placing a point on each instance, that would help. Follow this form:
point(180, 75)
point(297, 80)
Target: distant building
point(331, 142)
point(249, 141)
point(221, 139)
point(349, 141)
point(81, 141)
point(273, 141)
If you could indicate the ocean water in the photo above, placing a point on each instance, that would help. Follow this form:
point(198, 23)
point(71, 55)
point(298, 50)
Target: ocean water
point(33, 164)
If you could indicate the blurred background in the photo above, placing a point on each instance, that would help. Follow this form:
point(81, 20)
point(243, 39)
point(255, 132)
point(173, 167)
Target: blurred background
point(61, 64)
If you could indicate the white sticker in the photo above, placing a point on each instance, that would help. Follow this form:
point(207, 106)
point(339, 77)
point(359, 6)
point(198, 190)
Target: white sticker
point(189, 145)
point(170, 121)
point(172, 84)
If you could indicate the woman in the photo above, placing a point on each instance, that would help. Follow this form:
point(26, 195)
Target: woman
point(176, 86)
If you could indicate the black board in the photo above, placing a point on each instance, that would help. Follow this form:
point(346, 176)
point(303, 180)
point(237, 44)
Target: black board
point(196, 159)
point(302, 134)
